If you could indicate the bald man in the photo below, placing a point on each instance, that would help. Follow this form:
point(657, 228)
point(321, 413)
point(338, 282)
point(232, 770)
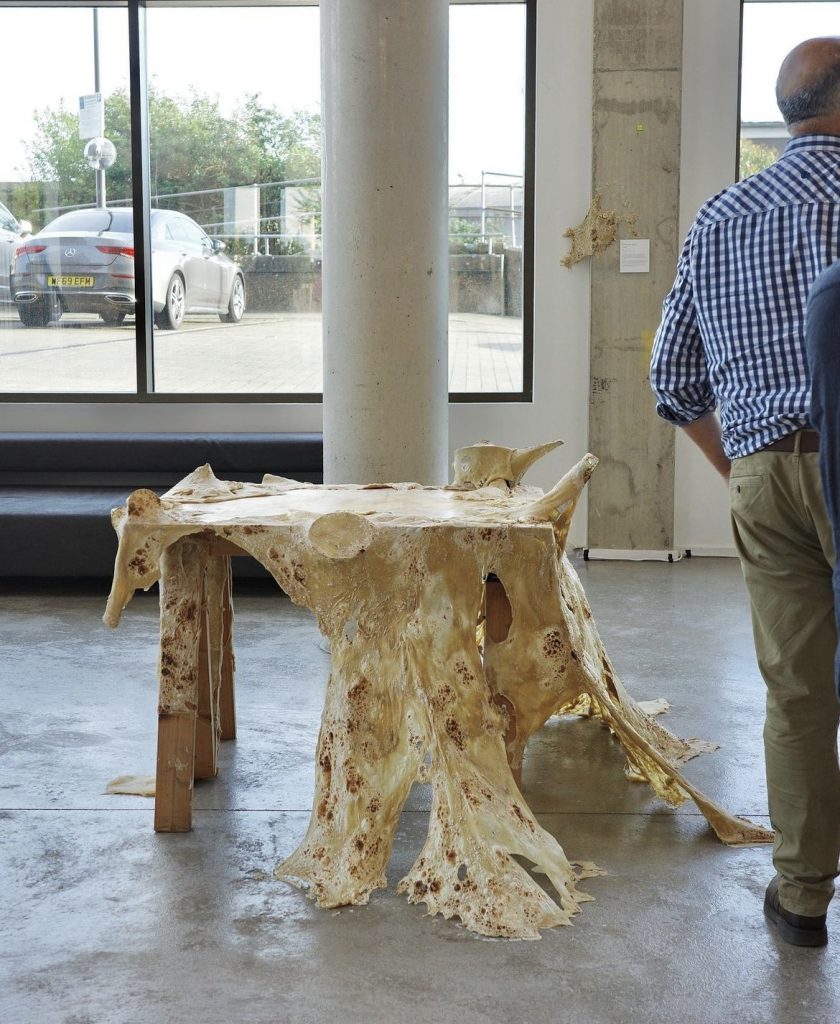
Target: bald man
point(731, 344)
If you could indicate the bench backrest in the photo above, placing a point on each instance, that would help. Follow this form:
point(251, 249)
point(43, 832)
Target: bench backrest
point(149, 459)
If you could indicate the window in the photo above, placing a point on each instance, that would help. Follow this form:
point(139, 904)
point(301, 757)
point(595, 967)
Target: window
point(59, 338)
point(232, 188)
point(770, 31)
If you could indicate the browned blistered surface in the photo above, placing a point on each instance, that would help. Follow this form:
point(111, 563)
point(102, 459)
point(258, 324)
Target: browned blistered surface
point(395, 575)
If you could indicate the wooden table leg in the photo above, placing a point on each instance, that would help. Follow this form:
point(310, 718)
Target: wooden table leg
point(181, 625)
point(216, 715)
point(206, 764)
point(173, 788)
point(227, 709)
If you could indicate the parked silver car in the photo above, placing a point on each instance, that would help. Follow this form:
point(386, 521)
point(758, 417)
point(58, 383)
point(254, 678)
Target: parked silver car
point(83, 262)
point(11, 232)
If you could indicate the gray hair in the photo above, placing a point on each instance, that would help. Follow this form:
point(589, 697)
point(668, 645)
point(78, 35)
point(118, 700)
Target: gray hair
point(819, 97)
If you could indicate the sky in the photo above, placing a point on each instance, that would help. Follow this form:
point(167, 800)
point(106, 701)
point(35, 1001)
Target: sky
point(275, 52)
point(272, 51)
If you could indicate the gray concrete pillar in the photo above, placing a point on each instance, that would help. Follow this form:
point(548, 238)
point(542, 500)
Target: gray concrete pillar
point(636, 168)
point(385, 283)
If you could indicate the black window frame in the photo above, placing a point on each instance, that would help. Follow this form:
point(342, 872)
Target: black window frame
point(145, 393)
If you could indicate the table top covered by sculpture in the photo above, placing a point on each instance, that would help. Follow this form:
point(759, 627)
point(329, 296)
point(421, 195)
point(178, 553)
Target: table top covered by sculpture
point(397, 577)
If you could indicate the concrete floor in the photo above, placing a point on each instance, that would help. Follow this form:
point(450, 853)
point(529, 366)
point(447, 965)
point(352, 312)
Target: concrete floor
point(107, 922)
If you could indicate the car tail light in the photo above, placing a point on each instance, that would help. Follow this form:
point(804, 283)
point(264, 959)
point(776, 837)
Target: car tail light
point(23, 249)
point(117, 250)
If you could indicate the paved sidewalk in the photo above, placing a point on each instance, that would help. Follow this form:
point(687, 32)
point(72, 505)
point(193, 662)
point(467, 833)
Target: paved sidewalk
point(271, 353)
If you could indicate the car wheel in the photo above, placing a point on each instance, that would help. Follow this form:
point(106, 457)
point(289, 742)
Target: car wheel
point(112, 317)
point(236, 306)
point(40, 312)
point(171, 316)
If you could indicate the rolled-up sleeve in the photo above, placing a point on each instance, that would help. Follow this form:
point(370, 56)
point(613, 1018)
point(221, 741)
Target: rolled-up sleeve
point(678, 372)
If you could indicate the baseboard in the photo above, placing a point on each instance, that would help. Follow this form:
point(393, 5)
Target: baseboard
point(630, 555)
point(710, 551)
point(642, 555)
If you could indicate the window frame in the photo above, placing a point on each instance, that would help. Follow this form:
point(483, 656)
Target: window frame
point(145, 393)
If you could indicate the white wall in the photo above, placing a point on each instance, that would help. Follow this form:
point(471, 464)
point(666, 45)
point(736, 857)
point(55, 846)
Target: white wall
point(711, 31)
point(561, 316)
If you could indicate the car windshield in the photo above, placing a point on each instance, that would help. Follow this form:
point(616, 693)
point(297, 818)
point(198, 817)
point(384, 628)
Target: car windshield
point(93, 220)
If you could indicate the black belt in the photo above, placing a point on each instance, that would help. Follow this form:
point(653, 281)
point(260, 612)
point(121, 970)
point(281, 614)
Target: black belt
point(809, 441)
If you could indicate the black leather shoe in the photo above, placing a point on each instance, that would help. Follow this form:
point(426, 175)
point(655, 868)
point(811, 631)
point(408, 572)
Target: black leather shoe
point(796, 929)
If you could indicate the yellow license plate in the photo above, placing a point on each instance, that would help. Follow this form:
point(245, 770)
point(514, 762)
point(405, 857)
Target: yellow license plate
point(70, 281)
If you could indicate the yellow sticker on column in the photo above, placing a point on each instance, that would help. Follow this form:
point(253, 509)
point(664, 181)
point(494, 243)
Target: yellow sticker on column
point(647, 349)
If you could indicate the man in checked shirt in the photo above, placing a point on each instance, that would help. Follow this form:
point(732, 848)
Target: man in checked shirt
point(732, 338)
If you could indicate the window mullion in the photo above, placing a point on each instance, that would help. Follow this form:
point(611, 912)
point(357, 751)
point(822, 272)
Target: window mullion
point(141, 200)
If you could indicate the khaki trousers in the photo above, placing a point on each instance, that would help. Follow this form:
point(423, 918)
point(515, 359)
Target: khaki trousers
point(784, 540)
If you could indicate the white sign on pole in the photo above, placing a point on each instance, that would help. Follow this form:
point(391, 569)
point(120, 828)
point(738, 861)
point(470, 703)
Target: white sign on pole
point(242, 211)
point(91, 116)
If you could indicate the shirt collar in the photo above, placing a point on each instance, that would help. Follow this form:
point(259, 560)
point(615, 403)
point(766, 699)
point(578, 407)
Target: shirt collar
point(814, 143)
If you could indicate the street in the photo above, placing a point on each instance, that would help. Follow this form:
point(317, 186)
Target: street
point(271, 353)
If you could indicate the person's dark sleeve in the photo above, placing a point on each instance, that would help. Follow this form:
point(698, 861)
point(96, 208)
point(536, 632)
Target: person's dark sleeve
point(822, 337)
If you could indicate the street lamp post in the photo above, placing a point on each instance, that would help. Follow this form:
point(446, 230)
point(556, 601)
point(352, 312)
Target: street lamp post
point(100, 153)
point(100, 171)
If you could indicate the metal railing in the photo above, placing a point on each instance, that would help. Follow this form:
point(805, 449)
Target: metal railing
point(276, 210)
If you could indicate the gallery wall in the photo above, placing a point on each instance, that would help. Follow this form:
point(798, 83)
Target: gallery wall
point(711, 36)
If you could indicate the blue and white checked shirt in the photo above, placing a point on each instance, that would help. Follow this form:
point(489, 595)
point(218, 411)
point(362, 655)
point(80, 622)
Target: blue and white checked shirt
point(733, 325)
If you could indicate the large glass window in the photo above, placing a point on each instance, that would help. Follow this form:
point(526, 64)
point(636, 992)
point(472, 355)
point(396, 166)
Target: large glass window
point(233, 112)
point(770, 31)
point(487, 117)
point(64, 276)
point(234, 133)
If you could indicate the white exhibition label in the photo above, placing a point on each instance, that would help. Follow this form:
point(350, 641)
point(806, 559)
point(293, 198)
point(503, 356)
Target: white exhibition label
point(634, 256)
point(91, 116)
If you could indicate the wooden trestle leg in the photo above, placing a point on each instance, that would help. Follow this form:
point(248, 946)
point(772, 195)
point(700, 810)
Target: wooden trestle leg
point(227, 709)
point(173, 786)
point(182, 623)
point(216, 601)
point(205, 765)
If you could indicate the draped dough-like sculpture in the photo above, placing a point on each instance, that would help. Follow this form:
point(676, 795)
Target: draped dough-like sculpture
point(397, 577)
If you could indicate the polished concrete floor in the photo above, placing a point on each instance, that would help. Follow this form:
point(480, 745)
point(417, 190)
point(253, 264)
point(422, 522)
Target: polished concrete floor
point(105, 921)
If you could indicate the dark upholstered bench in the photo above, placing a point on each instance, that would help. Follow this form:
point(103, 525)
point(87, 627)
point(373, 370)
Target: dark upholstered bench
point(57, 490)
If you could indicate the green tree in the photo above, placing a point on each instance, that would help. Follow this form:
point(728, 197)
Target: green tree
point(290, 144)
point(193, 146)
point(753, 157)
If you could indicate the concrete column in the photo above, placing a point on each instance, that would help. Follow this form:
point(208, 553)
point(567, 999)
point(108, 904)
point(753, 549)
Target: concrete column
point(635, 166)
point(385, 297)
